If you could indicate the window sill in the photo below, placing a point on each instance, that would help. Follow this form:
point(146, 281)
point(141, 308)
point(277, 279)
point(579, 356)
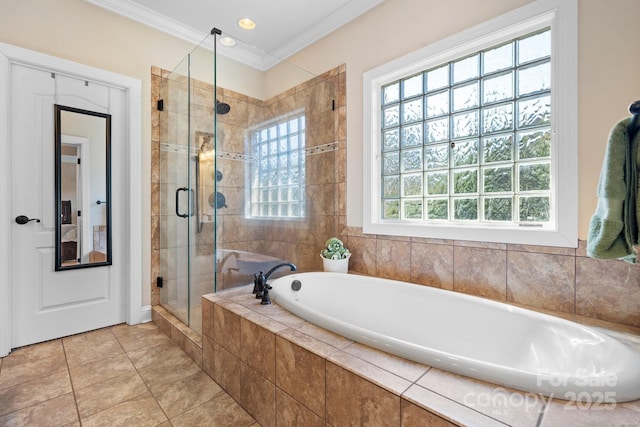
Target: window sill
point(523, 235)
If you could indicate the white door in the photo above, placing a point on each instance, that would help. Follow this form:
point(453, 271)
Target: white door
point(48, 304)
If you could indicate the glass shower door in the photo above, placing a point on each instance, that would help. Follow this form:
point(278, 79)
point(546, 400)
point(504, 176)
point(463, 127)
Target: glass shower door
point(175, 192)
point(187, 183)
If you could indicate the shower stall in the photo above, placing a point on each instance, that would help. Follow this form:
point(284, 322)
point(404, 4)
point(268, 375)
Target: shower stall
point(247, 172)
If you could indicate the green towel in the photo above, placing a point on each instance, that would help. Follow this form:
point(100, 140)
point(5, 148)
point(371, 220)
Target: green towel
point(613, 230)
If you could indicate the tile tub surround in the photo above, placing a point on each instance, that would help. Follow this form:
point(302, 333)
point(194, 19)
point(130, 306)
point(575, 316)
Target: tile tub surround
point(286, 371)
point(564, 280)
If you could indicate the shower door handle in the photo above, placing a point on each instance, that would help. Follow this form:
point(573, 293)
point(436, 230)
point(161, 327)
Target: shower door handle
point(191, 197)
point(181, 215)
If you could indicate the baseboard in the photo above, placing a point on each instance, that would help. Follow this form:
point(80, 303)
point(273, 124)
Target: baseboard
point(145, 314)
point(142, 316)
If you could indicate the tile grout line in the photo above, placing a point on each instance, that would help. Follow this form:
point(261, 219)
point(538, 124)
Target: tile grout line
point(146, 385)
point(29, 380)
point(73, 389)
point(69, 347)
point(545, 405)
point(220, 393)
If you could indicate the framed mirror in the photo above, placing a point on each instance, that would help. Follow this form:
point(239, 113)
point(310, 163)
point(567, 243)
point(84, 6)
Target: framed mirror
point(83, 188)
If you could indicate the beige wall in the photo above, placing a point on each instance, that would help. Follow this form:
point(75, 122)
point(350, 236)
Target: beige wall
point(608, 81)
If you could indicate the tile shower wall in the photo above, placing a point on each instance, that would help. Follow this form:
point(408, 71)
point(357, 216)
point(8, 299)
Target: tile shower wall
point(297, 241)
point(558, 279)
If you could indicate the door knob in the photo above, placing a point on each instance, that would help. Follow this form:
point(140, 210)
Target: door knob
point(21, 219)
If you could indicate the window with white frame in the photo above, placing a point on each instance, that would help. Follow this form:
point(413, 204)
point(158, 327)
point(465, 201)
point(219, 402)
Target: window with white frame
point(470, 140)
point(474, 137)
point(277, 171)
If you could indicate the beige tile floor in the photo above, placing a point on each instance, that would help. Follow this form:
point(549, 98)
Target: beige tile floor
point(123, 375)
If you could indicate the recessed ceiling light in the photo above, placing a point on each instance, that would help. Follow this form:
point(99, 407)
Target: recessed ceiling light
point(246, 24)
point(227, 41)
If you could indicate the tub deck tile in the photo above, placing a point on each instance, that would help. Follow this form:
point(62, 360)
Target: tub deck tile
point(510, 406)
point(246, 298)
point(237, 291)
point(216, 297)
point(371, 372)
point(265, 321)
point(564, 413)
point(324, 335)
point(274, 311)
point(308, 342)
point(399, 366)
point(448, 409)
point(233, 307)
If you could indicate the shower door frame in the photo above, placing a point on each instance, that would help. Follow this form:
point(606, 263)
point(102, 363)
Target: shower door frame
point(174, 189)
point(180, 184)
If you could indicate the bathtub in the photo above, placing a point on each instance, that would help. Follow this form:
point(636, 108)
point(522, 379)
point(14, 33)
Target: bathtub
point(467, 335)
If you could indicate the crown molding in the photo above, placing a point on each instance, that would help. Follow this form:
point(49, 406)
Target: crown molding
point(150, 18)
point(174, 28)
point(245, 54)
point(325, 26)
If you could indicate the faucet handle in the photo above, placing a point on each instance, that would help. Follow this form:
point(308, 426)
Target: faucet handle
point(255, 283)
point(265, 295)
point(260, 284)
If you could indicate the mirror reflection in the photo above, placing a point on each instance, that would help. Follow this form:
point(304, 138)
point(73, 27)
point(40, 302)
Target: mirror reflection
point(83, 188)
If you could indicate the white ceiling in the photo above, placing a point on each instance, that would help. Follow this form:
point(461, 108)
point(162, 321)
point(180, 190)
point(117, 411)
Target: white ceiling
point(283, 27)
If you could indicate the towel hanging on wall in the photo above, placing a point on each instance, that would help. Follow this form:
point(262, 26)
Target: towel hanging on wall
point(634, 126)
point(613, 229)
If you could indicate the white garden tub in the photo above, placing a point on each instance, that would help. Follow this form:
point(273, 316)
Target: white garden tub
point(468, 335)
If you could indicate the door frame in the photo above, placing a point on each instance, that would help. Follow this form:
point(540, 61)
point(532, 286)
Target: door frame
point(10, 54)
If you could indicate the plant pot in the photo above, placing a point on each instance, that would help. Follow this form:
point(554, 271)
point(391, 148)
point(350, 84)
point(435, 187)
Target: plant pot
point(336, 265)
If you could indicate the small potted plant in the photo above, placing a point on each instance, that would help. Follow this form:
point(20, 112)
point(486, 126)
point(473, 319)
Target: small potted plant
point(335, 257)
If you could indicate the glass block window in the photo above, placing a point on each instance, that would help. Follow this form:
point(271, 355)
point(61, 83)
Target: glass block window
point(277, 172)
point(469, 140)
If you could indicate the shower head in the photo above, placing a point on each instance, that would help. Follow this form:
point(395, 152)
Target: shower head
point(222, 107)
